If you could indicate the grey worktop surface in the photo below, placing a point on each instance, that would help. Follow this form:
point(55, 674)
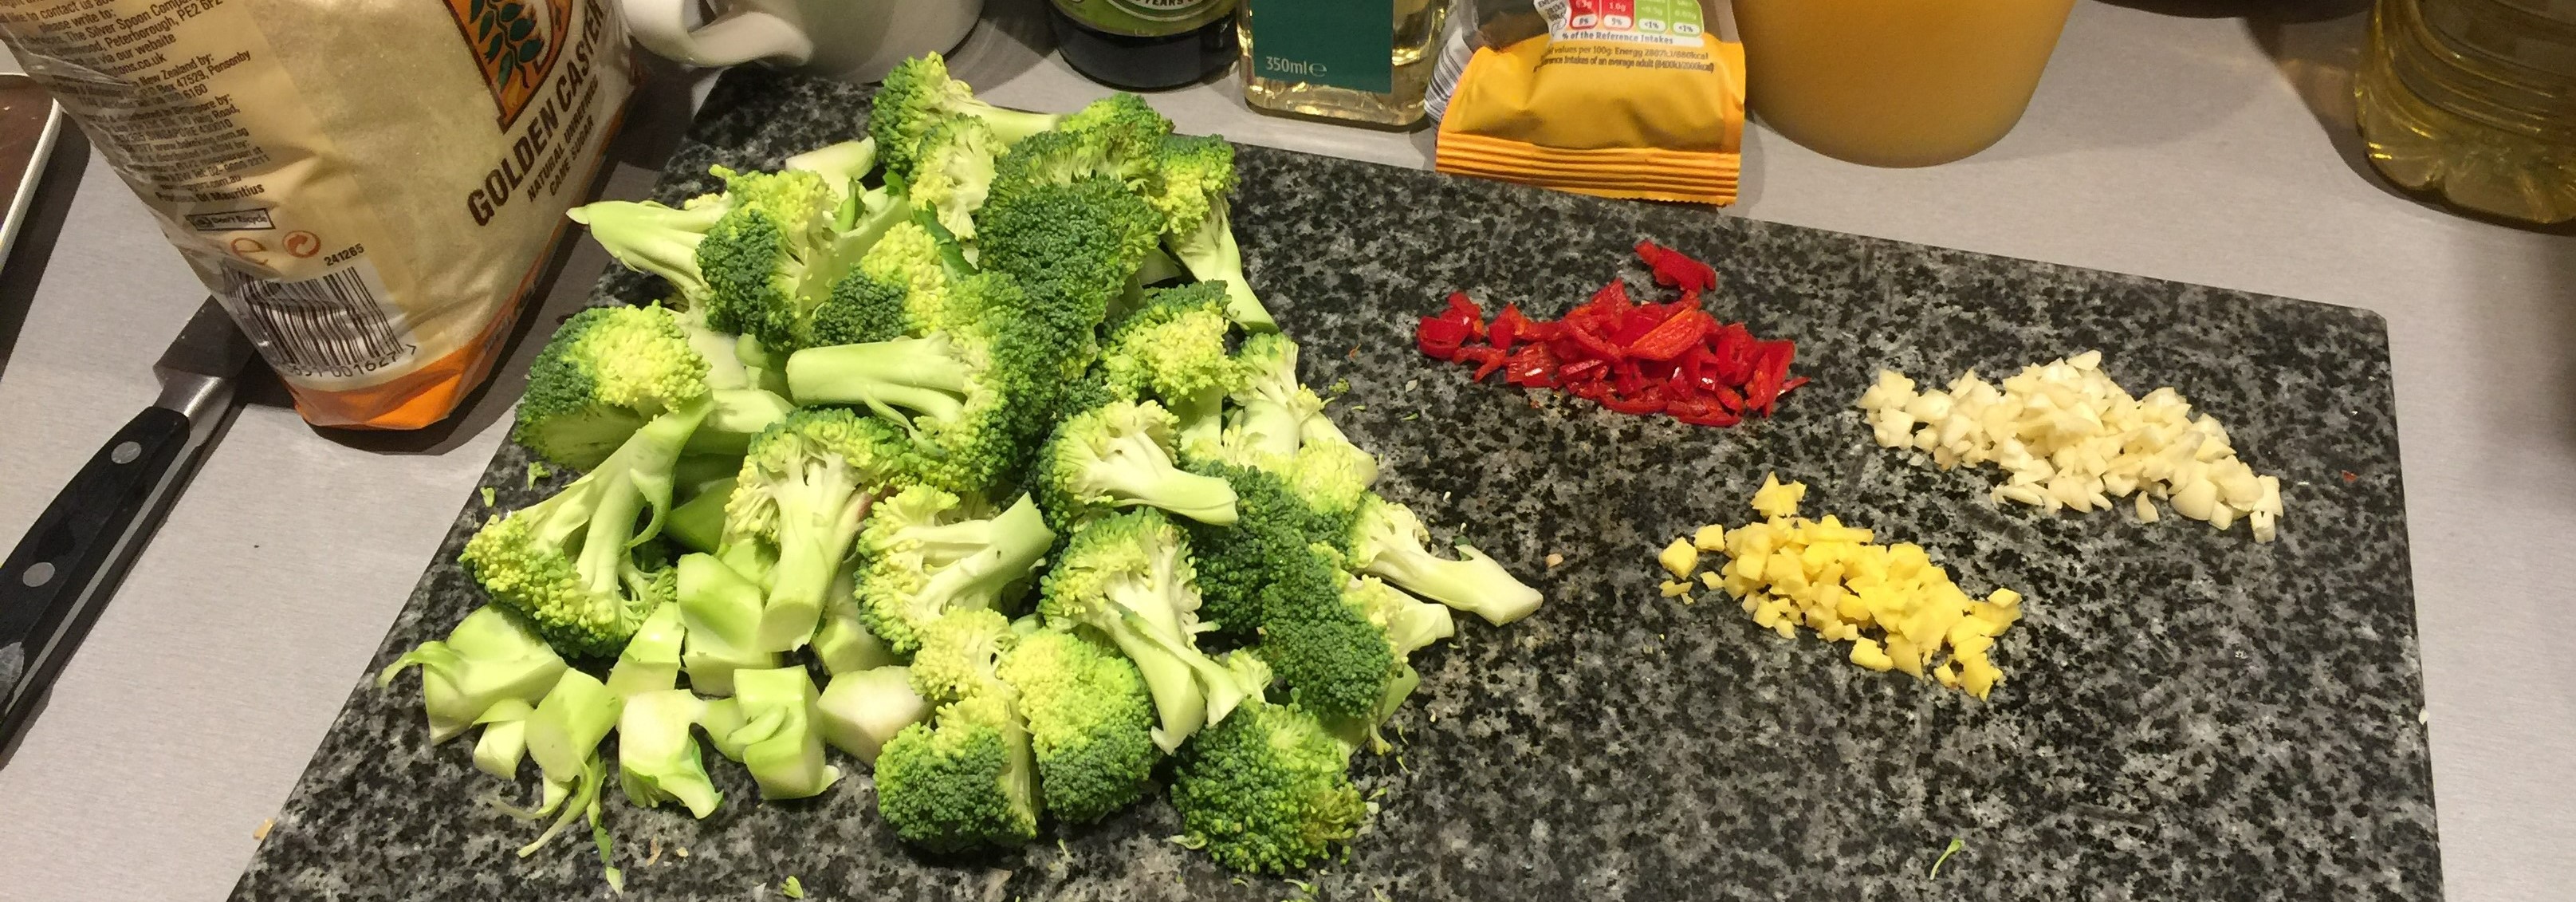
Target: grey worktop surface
point(2202, 148)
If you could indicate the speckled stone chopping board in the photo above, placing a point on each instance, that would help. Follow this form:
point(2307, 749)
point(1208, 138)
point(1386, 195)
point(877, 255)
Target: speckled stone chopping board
point(2187, 715)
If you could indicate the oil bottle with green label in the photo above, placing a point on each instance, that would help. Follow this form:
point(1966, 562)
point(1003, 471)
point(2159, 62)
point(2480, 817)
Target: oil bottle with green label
point(1145, 44)
point(1356, 60)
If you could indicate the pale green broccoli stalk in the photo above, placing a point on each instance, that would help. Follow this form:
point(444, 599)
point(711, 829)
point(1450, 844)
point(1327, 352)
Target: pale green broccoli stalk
point(490, 659)
point(1119, 455)
point(657, 755)
point(505, 738)
point(1386, 540)
point(923, 553)
point(1268, 790)
point(778, 737)
point(721, 611)
point(1173, 349)
point(739, 415)
point(960, 655)
point(564, 734)
point(1090, 722)
point(862, 710)
point(652, 238)
point(606, 372)
point(1073, 249)
point(963, 780)
point(651, 660)
point(1128, 576)
point(918, 94)
point(1193, 196)
point(804, 488)
point(569, 563)
point(952, 172)
point(698, 523)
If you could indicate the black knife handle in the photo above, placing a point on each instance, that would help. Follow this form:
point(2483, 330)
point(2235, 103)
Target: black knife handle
point(54, 574)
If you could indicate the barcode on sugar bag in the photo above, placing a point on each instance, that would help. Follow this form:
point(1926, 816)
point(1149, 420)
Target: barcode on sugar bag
point(335, 326)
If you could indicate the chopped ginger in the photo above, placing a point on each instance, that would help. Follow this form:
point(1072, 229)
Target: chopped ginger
point(1676, 589)
point(1710, 538)
point(1678, 558)
point(1836, 580)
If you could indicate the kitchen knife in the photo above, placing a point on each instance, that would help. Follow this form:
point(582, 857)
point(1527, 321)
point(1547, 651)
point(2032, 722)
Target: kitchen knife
point(53, 584)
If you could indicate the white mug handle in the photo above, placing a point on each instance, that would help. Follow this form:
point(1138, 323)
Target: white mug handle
point(662, 26)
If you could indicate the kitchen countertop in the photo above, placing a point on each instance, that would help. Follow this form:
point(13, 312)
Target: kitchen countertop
point(2162, 143)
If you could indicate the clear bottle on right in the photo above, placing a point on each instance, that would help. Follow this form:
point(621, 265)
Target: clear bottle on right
point(2475, 101)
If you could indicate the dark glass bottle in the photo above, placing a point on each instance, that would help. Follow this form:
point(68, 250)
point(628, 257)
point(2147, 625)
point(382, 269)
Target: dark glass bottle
point(1145, 44)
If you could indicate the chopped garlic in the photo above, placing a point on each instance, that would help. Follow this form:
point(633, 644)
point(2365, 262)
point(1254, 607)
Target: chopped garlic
point(1679, 558)
point(2068, 437)
point(1554, 559)
point(1790, 572)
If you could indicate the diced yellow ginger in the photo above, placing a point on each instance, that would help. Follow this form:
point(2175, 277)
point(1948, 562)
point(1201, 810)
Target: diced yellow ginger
point(1947, 674)
point(1710, 538)
point(1978, 677)
point(2003, 598)
point(1679, 558)
point(1675, 589)
point(1777, 500)
point(1710, 579)
point(1866, 653)
point(1907, 659)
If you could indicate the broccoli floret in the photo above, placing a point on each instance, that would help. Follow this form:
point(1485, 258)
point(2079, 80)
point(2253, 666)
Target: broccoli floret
point(930, 292)
point(971, 396)
point(1334, 662)
point(1090, 721)
point(1072, 247)
point(960, 654)
point(804, 487)
point(841, 165)
point(918, 94)
point(1234, 562)
point(952, 171)
point(1173, 349)
point(1386, 540)
point(1268, 790)
point(1120, 455)
point(963, 780)
point(1194, 196)
point(1271, 406)
point(774, 257)
point(571, 564)
point(924, 553)
point(651, 238)
point(1408, 624)
point(489, 659)
point(604, 373)
point(1117, 138)
point(860, 310)
point(1128, 577)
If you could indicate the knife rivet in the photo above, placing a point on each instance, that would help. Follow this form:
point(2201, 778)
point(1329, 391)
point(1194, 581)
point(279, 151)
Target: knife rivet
point(125, 452)
point(40, 573)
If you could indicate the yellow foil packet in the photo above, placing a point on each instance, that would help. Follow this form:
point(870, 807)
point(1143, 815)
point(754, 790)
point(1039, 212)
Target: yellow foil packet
point(1616, 98)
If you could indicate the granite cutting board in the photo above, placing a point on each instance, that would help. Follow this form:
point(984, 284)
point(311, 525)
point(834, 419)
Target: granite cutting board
point(2188, 715)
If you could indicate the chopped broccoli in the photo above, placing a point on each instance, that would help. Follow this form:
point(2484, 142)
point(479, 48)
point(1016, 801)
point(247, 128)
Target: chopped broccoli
point(1090, 721)
point(1408, 624)
point(652, 238)
point(1116, 138)
point(698, 523)
point(778, 737)
point(962, 780)
point(960, 655)
point(861, 310)
point(570, 563)
point(843, 643)
point(1268, 790)
point(952, 171)
point(1193, 196)
point(1072, 248)
point(604, 373)
point(918, 94)
point(1272, 407)
point(563, 734)
point(651, 660)
point(1233, 563)
point(862, 710)
point(1128, 576)
point(841, 165)
point(490, 658)
point(1173, 349)
point(1335, 663)
point(969, 394)
point(658, 758)
point(1386, 540)
point(804, 487)
point(923, 553)
point(1119, 455)
point(775, 256)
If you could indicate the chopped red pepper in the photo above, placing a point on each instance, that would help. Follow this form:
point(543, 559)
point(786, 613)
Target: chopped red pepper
point(1668, 339)
point(1626, 353)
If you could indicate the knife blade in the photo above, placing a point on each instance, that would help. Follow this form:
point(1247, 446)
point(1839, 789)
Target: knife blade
point(59, 576)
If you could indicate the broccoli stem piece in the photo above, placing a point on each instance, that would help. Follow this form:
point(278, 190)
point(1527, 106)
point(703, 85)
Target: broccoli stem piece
point(1212, 255)
point(488, 661)
point(921, 375)
point(1387, 541)
point(864, 709)
point(657, 756)
point(698, 524)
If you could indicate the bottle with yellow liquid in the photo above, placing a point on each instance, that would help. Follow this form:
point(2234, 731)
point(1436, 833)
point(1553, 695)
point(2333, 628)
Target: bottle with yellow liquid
point(2475, 101)
point(1355, 60)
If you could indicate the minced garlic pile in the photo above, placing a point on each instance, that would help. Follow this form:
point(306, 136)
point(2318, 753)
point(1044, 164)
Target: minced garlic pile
point(1790, 571)
point(2068, 436)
